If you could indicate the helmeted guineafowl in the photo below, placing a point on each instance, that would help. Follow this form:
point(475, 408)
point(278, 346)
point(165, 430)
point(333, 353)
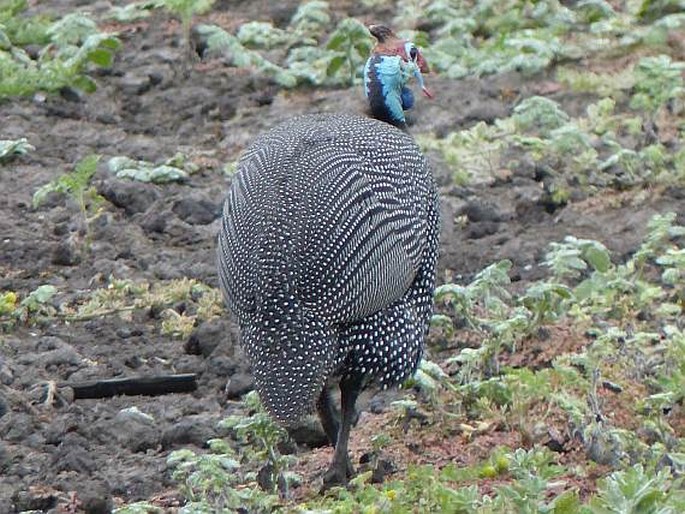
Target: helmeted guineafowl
point(328, 250)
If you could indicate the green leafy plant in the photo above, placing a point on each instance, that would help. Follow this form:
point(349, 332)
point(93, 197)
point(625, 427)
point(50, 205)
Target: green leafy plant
point(71, 45)
point(352, 45)
point(262, 435)
point(634, 490)
point(36, 305)
point(77, 185)
point(657, 80)
point(222, 481)
point(215, 482)
point(220, 42)
point(185, 10)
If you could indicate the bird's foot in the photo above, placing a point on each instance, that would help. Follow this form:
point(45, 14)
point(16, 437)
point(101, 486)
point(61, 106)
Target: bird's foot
point(338, 474)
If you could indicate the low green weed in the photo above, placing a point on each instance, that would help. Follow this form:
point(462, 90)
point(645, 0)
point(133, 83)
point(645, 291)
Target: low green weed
point(35, 306)
point(120, 298)
point(10, 148)
point(585, 153)
point(224, 481)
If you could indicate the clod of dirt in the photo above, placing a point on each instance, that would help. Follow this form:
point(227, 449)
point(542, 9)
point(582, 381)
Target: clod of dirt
point(238, 385)
point(135, 430)
point(135, 84)
point(205, 338)
point(195, 430)
point(35, 499)
point(73, 454)
point(67, 252)
point(6, 373)
point(476, 210)
point(308, 432)
point(196, 211)
point(131, 196)
point(481, 229)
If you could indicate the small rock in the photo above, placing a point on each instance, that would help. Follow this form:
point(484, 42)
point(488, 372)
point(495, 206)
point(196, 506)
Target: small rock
point(35, 499)
point(487, 111)
point(19, 429)
point(196, 211)
point(97, 500)
point(71, 94)
point(189, 364)
point(5, 460)
point(155, 221)
point(221, 365)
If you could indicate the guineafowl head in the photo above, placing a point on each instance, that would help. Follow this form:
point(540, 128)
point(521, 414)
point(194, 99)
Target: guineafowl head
point(393, 62)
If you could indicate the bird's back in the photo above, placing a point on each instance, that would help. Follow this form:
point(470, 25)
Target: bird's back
point(330, 221)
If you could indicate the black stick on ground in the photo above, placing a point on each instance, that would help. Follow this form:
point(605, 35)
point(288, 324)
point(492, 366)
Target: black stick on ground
point(131, 386)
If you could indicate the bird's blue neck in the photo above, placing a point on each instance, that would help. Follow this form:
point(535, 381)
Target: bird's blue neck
point(385, 79)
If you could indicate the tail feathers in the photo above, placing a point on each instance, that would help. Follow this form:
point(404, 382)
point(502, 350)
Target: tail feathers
point(291, 361)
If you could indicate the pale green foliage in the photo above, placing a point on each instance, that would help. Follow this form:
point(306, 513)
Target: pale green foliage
point(473, 155)
point(9, 148)
point(75, 43)
point(186, 9)
point(220, 42)
point(657, 80)
point(172, 170)
point(133, 11)
point(425, 489)
point(208, 481)
point(260, 34)
point(635, 491)
point(19, 30)
point(311, 19)
point(138, 508)
point(338, 61)
point(122, 298)
point(262, 434)
point(223, 481)
point(36, 305)
point(584, 152)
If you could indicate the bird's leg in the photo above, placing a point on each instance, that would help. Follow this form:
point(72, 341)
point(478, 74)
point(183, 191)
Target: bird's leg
point(329, 416)
point(341, 466)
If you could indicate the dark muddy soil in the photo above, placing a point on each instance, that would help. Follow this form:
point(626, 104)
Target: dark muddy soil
point(92, 454)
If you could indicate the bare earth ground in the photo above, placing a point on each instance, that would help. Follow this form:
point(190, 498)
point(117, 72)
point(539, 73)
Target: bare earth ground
point(77, 453)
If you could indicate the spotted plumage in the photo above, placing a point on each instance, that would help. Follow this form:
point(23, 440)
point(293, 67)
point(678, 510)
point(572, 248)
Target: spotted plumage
point(327, 256)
